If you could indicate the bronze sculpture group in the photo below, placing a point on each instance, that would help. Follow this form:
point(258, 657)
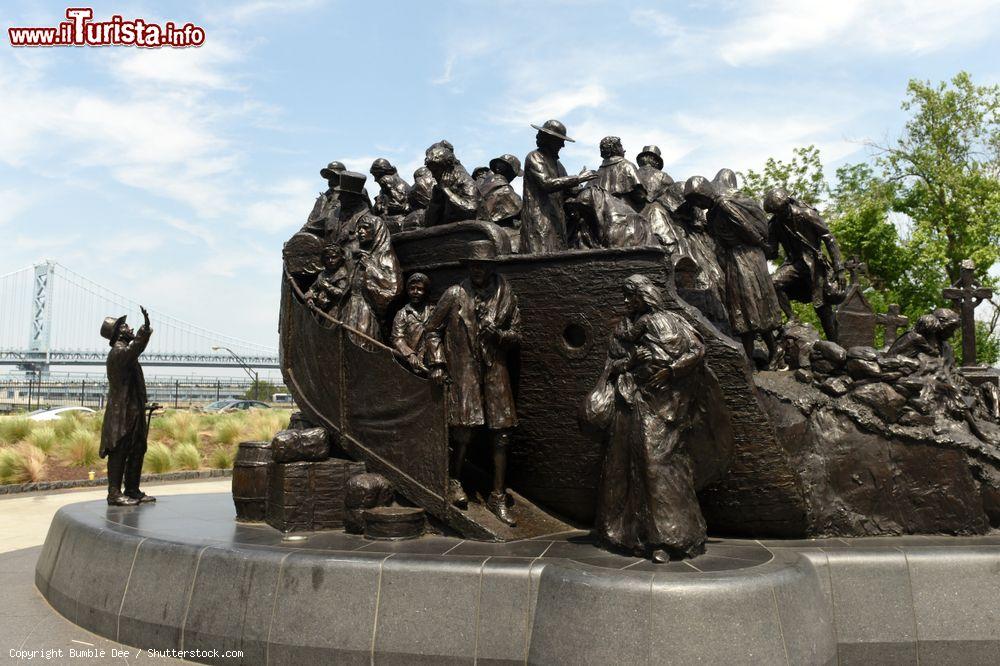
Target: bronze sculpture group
point(657, 379)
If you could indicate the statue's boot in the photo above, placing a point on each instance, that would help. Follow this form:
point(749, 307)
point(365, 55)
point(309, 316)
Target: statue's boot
point(141, 497)
point(457, 494)
point(497, 504)
point(660, 556)
point(117, 499)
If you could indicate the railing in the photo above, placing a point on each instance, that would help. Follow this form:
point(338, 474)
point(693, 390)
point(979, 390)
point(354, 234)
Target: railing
point(25, 395)
point(57, 357)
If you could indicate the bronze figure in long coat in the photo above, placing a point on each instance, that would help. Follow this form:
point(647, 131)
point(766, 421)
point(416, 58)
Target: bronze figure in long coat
point(123, 434)
point(543, 220)
point(474, 328)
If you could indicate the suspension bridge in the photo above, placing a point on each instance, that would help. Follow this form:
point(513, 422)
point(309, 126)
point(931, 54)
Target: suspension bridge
point(49, 316)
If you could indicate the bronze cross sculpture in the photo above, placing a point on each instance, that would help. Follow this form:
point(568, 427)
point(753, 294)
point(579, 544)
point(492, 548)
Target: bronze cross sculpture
point(967, 293)
point(854, 266)
point(892, 321)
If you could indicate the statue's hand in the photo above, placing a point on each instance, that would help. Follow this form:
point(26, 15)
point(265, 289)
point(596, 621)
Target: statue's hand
point(644, 355)
point(145, 315)
point(438, 376)
point(587, 175)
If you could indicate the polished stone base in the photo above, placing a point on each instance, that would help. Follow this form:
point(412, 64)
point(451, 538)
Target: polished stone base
point(182, 574)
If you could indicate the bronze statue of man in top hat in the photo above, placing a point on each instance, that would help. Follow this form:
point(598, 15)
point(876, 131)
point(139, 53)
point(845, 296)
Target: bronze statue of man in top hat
point(123, 436)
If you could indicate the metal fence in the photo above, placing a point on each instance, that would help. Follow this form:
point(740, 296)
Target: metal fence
point(25, 395)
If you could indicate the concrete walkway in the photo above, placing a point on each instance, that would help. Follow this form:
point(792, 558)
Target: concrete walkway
point(30, 631)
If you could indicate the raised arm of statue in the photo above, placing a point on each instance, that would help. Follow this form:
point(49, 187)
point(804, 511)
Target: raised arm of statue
point(138, 344)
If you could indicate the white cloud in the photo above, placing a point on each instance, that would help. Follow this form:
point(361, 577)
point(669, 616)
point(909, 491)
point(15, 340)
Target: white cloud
point(191, 67)
point(557, 103)
point(761, 31)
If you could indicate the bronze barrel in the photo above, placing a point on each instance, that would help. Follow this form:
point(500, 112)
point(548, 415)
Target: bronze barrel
point(250, 480)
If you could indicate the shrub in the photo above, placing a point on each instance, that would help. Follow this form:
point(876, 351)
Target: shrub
point(44, 438)
point(158, 459)
point(226, 431)
point(80, 449)
point(263, 424)
point(22, 463)
point(187, 457)
point(14, 429)
point(66, 424)
point(179, 427)
point(222, 457)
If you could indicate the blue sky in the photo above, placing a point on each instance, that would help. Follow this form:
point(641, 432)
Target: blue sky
point(174, 176)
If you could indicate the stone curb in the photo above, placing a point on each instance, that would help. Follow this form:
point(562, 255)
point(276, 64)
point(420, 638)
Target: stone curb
point(40, 486)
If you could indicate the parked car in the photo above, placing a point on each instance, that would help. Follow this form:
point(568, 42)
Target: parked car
point(245, 404)
point(219, 405)
point(53, 413)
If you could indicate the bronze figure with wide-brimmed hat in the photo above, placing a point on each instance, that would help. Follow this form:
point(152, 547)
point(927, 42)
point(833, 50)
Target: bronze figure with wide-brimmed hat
point(332, 170)
point(543, 220)
point(554, 128)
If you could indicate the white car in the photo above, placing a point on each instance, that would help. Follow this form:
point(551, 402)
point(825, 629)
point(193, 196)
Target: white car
point(54, 413)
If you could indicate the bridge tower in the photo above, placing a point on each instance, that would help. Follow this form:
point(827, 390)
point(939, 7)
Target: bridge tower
point(41, 319)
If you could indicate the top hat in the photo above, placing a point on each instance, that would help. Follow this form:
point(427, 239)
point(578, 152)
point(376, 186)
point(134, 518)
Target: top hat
point(481, 250)
point(111, 326)
point(654, 151)
point(509, 161)
point(351, 182)
point(380, 166)
point(332, 169)
point(555, 128)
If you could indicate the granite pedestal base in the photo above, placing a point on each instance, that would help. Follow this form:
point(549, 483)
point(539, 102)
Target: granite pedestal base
point(182, 574)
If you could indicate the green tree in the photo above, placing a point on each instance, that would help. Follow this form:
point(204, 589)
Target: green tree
point(924, 203)
point(265, 388)
point(802, 177)
point(944, 169)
